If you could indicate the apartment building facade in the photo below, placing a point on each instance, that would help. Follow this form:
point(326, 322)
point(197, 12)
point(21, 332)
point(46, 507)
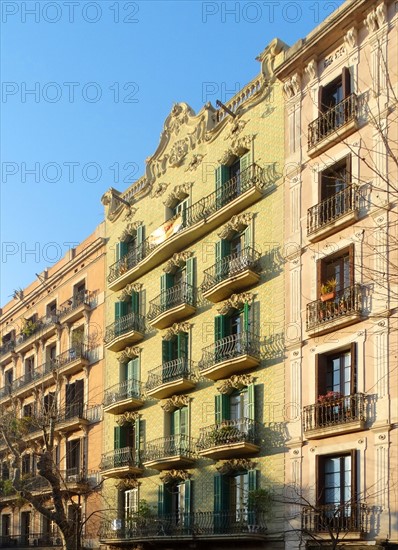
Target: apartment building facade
point(340, 86)
point(194, 315)
point(51, 361)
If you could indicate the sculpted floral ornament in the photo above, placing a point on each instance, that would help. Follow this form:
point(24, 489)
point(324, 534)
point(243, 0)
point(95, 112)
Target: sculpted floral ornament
point(179, 259)
point(194, 162)
point(292, 86)
point(236, 301)
point(180, 192)
point(237, 126)
point(350, 39)
point(236, 382)
point(130, 213)
point(236, 223)
point(129, 417)
point(129, 353)
point(311, 70)
point(238, 147)
point(129, 230)
point(158, 190)
point(178, 152)
point(175, 329)
point(175, 402)
point(128, 291)
point(175, 475)
point(112, 202)
point(236, 465)
point(376, 18)
point(268, 56)
point(128, 483)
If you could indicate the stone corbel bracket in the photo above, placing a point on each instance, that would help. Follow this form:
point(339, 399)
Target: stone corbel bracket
point(236, 301)
point(175, 329)
point(175, 402)
point(129, 417)
point(128, 291)
point(236, 382)
point(177, 260)
point(236, 223)
point(236, 465)
point(130, 230)
point(129, 483)
point(175, 475)
point(129, 353)
point(179, 193)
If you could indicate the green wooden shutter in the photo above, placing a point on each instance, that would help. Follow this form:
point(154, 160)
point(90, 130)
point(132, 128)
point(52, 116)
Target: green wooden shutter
point(218, 261)
point(120, 437)
point(123, 248)
point(167, 350)
point(161, 510)
point(137, 439)
point(247, 236)
point(182, 345)
point(190, 278)
point(135, 302)
point(222, 175)
point(217, 406)
point(245, 174)
point(133, 376)
point(117, 252)
point(188, 501)
point(118, 310)
point(221, 502)
point(222, 408)
point(218, 484)
point(140, 240)
point(219, 327)
point(252, 486)
point(166, 282)
point(251, 408)
point(246, 317)
point(183, 421)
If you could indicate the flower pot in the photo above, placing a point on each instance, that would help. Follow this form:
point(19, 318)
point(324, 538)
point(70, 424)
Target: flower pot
point(328, 296)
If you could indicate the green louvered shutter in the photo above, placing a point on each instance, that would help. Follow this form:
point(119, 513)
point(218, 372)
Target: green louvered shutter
point(251, 404)
point(252, 486)
point(245, 174)
point(133, 376)
point(161, 510)
point(135, 302)
point(222, 408)
point(182, 338)
point(218, 261)
point(217, 406)
point(140, 240)
point(221, 503)
point(166, 282)
point(246, 317)
point(117, 252)
point(222, 175)
point(167, 351)
point(137, 440)
point(120, 311)
point(120, 437)
point(190, 278)
point(247, 237)
point(187, 502)
point(219, 327)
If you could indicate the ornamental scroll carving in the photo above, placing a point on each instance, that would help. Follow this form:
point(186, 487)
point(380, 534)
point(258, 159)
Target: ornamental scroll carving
point(129, 483)
point(236, 382)
point(178, 259)
point(292, 86)
point(237, 148)
point(268, 56)
point(159, 190)
point(130, 213)
point(129, 417)
point(175, 329)
point(194, 162)
point(376, 18)
point(350, 39)
point(236, 223)
point(237, 126)
point(178, 152)
point(236, 301)
point(175, 402)
point(179, 193)
point(130, 230)
point(129, 353)
point(175, 475)
point(236, 465)
point(311, 70)
point(128, 291)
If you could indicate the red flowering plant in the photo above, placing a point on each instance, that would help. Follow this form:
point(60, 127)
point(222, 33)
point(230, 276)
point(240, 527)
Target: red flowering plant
point(329, 397)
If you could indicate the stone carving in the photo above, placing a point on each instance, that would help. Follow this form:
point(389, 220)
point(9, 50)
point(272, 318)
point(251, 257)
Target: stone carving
point(237, 148)
point(350, 39)
point(237, 126)
point(129, 230)
point(236, 223)
point(178, 260)
point(130, 213)
point(236, 465)
point(194, 162)
point(114, 207)
point(128, 291)
point(175, 475)
point(175, 402)
point(178, 152)
point(128, 483)
point(175, 329)
point(292, 86)
point(159, 190)
point(180, 192)
point(236, 301)
point(178, 117)
point(268, 56)
point(129, 417)
point(236, 382)
point(129, 353)
point(376, 18)
point(311, 70)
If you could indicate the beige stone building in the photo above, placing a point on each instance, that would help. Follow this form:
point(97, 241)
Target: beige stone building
point(195, 315)
point(340, 86)
point(51, 361)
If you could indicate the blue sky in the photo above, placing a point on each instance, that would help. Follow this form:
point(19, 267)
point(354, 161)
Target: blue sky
point(86, 87)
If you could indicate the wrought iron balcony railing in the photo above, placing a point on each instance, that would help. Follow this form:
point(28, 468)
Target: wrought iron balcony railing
point(197, 524)
point(37, 327)
point(344, 517)
point(345, 302)
point(72, 411)
point(79, 351)
point(331, 209)
point(230, 266)
point(242, 430)
point(173, 445)
point(330, 121)
point(345, 409)
point(7, 347)
point(75, 301)
point(182, 293)
point(30, 540)
point(127, 323)
point(205, 207)
point(124, 390)
point(167, 372)
point(119, 458)
point(230, 347)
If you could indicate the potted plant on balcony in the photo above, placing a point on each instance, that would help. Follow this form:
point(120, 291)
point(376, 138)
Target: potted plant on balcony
point(28, 328)
point(329, 397)
point(328, 290)
point(259, 503)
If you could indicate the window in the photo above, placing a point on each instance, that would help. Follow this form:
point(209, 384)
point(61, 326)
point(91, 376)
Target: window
point(232, 333)
point(29, 368)
point(49, 403)
point(5, 471)
point(130, 374)
point(28, 410)
point(51, 310)
point(338, 267)
point(336, 372)
point(8, 338)
point(26, 464)
point(25, 527)
point(51, 354)
point(335, 178)
point(74, 399)
point(334, 92)
point(232, 179)
point(122, 309)
point(231, 499)
point(77, 338)
point(6, 525)
point(127, 444)
point(73, 457)
point(174, 500)
point(235, 416)
point(8, 379)
point(130, 502)
point(131, 247)
point(177, 287)
point(175, 357)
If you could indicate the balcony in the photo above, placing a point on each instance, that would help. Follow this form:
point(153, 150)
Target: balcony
point(6, 351)
point(42, 328)
point(237, 524)
point(129, 329)
point(229, 439)
point(345, 414)
point(233, 273)
point(331, 127)
point(172, 305)
point(333, 214)
point(74, 480)
point(352, 519)
point(120, 463)
point(125, 396)
point(73, 417)
point(180, 231)
point(71, 360)
point(36, 540)
point(170, 378)
point(341, 311)
point(74, 308)
point(230, 355)
point(174, 451)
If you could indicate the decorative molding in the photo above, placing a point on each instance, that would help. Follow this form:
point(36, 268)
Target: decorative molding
point(130, 230)
point(175, 329)
point(129, 353)
point(130, 213)
point(128, 291)
point(237, 148)
point(236, 301)
point(128, 483)
point(311, 70)
point(178, 260)
point(180, 192)
point(194, 162)
point(236, 465)
point(159, 190)
point(351, 39)
point(236, 382)
point(237, 126)
point(236, 223)
point(175, 475)
point(268, 55)
point(292, 86)
point(175, 402)
point(178, 152)
point(127, 418)
point(376, 18)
